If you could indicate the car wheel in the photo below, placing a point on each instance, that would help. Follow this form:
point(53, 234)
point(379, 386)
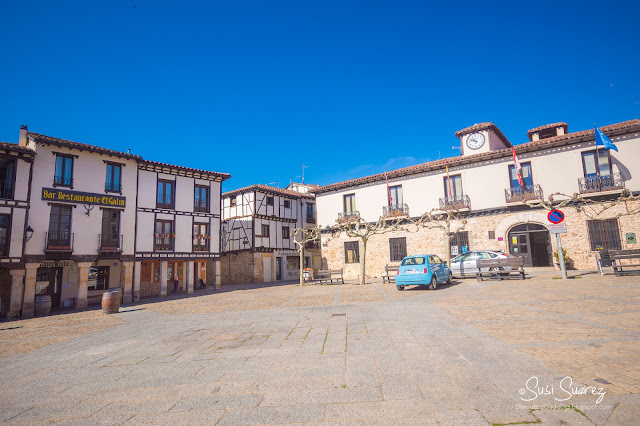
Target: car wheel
point(450, 279)
point(400, 287)
point(434, 283)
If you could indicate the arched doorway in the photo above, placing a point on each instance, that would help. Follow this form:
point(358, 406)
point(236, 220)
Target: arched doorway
point(531, 241)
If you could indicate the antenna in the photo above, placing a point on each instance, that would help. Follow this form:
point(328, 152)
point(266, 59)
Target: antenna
point(277, 184)
point(303, 167)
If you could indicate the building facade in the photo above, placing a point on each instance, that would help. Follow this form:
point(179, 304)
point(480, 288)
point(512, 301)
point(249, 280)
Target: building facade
point(177, 228)
point(481, 186)
point(257, 234)
point(77, 220)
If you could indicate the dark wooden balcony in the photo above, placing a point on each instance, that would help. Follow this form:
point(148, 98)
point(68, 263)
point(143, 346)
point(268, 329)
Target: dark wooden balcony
point(523, 193)
point(58, 241)
point(63, 181)
point(611, 182)
point(164, 242)
point(311, 219)
point(110, 243)
point(455, 203)
point(395, 211)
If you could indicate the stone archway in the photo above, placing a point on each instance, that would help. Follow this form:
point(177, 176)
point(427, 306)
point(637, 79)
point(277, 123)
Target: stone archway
point(531, 241)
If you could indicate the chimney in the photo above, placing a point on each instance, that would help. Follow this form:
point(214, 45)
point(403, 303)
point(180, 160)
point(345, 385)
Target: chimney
point(22, 139)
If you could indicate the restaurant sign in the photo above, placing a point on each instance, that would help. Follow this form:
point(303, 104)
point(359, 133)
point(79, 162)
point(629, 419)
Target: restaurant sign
point(51, 194)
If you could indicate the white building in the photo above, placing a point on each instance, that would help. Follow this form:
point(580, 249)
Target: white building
point(257, 239)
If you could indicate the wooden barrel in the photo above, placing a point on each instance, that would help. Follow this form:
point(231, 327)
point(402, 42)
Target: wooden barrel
point(43, 304)
point(111, 301)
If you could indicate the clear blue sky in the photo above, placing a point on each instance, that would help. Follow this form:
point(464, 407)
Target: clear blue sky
point(349, 88)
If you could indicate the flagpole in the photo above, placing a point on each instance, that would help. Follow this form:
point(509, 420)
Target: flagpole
point(595, 130)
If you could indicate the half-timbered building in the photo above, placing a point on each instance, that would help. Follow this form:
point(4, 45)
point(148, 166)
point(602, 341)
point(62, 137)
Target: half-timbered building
point(257, 234)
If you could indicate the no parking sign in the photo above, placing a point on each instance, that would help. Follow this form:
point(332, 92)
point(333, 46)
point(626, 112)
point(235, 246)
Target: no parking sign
point(555, 216)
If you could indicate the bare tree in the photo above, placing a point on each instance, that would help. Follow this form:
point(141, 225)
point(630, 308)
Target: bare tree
point(307, 235)
point(444, 221)
point(356, 227)
point(590, 207)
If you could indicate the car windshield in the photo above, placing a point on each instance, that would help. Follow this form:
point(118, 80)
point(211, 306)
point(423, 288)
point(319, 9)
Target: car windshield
point(413, 261)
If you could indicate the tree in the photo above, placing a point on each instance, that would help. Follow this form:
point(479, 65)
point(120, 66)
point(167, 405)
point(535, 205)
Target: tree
point(307, 235)
point(356, 227)
point(592, 208)
point(443, 220)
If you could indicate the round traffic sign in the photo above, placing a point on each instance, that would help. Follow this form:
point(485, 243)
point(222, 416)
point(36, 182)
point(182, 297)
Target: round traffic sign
point(555, 216)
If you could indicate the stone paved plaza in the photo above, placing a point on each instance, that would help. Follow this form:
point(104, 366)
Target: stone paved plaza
point(469, 353)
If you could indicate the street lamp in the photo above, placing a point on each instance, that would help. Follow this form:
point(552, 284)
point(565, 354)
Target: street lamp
point(29, 233)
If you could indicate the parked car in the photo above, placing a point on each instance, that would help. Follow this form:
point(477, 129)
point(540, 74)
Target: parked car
point(422, 269)
point(464, 265)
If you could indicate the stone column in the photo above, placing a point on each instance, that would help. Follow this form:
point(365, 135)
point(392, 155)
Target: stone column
point(127, 296)
point(29, 301)
point(190, 276)
point(136, 281)
point(17, 282)
point(218, 276)
point(210, 277)
point(164, 269)
point(83, 284)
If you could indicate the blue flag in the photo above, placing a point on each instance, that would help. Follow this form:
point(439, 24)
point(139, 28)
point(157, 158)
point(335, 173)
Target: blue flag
point(602, 139)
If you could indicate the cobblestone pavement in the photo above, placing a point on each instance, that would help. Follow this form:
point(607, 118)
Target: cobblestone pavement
point(468, 353)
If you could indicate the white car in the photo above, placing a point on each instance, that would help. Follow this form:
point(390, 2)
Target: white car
point(464, 265)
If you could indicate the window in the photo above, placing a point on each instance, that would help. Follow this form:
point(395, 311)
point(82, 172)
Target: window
point(165, 195)
point(110, 237)
point(350, 203)
point(5, 227)
point(307, 262)
point(269, 201)
point(59, 235)
point(64, 171)
point(397, 248)
point(201, 199)
point(453, 187)
point(265, 230)
point(604, 234)
point(234, 202)
point(285, 232)
point(459, 243)
point(201, 237)
point(435, 260)
point(351, 252)
point(112, 182)
point(287, 204)
point(525, 174)
point(395, 196)
point(164, 235)
point(593, 168)
point(311, 212)
point(492, 235)
point(98, 278)
point(7, 175)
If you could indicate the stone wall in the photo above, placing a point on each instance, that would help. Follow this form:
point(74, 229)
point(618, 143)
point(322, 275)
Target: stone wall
point(237, 268)
point(575, 241)
point(148, 289)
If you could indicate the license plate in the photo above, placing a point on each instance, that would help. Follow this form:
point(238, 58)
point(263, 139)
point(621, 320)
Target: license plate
point(411, 271)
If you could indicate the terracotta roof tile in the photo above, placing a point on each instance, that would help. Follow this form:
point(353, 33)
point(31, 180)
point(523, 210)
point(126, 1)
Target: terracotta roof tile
point(548, 126)
point(222, 176)
point(16, 148)
point(269, 189)
point(38, 138)
point(521, 148)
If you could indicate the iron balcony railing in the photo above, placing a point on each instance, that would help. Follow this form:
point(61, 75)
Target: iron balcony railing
point(60, 241)
point(112, 187)
point(109, 242)
point(164, 242)
point(62, 181)
point(394, 211)
point(6, 189)
point(167, 206)
point(611, 182)
point(312, 245)
point(311, 219)
point(455, 203)
point(523, 193)
point(353, 214)
point(201, 246)
point(4, 247)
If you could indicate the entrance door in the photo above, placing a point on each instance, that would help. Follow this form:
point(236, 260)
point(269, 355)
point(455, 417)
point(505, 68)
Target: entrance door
point(532, 242)
point(266, 261)
point(55, 286)
point(278, 268)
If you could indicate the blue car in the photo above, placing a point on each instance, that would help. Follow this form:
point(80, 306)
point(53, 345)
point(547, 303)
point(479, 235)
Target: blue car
point(423, 269)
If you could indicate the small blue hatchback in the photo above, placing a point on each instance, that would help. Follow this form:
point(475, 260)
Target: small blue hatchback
point(423, 269)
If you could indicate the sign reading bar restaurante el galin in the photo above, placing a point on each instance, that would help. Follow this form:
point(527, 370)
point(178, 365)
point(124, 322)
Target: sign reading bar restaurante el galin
point(51, 194)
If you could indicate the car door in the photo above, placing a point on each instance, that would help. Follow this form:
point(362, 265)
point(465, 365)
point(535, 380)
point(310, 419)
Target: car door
point(438, 268)
point(456, 265)
point(469, 265)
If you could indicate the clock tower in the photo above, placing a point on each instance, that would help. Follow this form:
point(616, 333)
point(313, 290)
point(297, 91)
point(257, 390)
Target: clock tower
point(480, 138)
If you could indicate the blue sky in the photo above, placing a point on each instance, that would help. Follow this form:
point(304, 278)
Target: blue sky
point(349, 88)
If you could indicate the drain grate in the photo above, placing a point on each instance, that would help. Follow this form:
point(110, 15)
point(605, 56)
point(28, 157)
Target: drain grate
point(603, 381)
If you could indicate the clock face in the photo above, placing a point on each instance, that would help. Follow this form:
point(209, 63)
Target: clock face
point(475, 140)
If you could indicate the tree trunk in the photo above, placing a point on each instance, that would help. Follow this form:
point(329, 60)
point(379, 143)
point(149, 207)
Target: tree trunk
point(363, 262)
point(447, 240)
point(301, 264)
